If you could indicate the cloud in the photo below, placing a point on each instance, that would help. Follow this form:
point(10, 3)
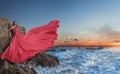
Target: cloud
point(104, 33)
point(107, 32)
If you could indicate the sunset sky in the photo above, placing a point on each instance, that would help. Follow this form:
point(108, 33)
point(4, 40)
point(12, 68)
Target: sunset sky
point(92, 20)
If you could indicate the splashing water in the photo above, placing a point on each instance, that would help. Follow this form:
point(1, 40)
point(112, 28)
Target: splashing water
point(81, 61)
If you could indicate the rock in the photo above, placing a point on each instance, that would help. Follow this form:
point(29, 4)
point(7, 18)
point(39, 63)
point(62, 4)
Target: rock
point(94, 48)
point(22, 30)
point(44, 60)
point(13, 69)
point(99, 48)
point(4, 36)
point(91, 48)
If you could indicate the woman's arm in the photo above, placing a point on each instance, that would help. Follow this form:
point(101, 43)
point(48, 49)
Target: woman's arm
point(10, 28)
point(10, 32)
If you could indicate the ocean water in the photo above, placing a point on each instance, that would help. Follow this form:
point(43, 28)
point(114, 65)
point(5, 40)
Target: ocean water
point(74, 60)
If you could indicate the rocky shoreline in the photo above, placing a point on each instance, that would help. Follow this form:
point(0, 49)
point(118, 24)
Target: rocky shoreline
point(27, 67)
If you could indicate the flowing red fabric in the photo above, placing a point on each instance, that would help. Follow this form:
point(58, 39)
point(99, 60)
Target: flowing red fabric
point(24, 46)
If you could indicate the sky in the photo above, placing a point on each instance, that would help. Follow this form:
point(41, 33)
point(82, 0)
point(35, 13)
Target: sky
point(78, 18)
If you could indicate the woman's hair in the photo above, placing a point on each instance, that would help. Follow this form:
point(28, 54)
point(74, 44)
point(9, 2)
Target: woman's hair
point(14, 23)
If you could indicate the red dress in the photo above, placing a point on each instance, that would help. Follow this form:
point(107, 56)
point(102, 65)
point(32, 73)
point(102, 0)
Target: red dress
point(24, 46)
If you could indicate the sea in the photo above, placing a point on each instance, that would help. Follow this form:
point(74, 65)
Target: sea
point(81, 60)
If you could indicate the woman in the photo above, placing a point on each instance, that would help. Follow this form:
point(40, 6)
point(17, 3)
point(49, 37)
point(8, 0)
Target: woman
point(24, 46)
point(10, 30)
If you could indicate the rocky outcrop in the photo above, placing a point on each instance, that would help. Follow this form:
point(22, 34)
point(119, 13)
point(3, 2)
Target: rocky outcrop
point(27, 67)
point(8, 68)
point(41, 59)
point(44, 60)
point(4, 36)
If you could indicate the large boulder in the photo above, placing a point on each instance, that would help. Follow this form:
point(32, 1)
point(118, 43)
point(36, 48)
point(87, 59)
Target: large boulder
point(4, 36)
point(44, 60)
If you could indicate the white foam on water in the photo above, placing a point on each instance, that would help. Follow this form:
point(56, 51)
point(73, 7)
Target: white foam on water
point(81, 61)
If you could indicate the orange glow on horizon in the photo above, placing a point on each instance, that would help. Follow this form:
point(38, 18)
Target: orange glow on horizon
point(87, 43)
